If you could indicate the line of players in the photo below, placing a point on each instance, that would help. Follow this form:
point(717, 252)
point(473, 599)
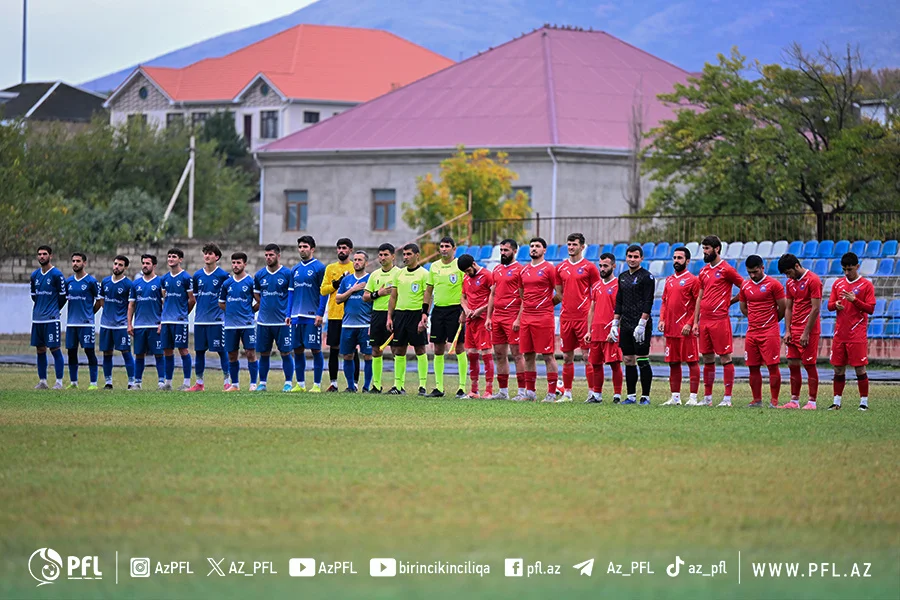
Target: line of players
point(483, 316)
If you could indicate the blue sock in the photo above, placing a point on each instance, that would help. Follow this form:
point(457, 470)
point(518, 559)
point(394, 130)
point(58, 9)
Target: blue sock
point(129, 364)
point(287, 365)
point(73, 365)
point(226, 365)
point(186, 365)
point(42, 365)
point(367, 371)
point(253, 367)
point(318, 366)
point(107, 367)
point(58, 362)
point(92, 364)
point(348, 373)
point(264, 367)
point(233, 370)
point(300, 366)
point(161, 366)
point(169, 371)
point(138, 369)
point(201, 364)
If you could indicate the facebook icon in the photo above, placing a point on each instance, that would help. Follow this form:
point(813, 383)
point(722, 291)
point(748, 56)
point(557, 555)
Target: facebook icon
point(514, 567)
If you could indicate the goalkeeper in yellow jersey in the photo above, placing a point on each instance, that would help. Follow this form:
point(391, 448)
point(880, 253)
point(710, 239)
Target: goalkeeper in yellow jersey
point(332, 281)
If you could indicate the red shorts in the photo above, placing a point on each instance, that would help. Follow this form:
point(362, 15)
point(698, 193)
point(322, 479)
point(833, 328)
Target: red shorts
point(682, 349)
point(571, 334)
point(537, 336)
point(605, 352)
point(502, 332)
point(806, 355)
point(762, 349)
point(855, 354)
point(715, 337)
point(477, 337)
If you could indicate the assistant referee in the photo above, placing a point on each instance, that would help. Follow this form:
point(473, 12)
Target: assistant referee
point(408, 318)
point(634, 302)
point(378, 292)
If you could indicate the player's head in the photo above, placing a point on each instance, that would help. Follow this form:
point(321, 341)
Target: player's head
point(537, 247)
point(78, 260)
point(447, 247)
point(712, 247)
point(575, 244)
point(755, 267)
point(360, 261)
point(466, 264)
point(148, 264)
point(681, 256)
point(344, 248)
point(238, 262)
point(120, 263)
point(44, 254)
point(606, 265)
point(306, 246)
point(789, 265)
point(508, 248)
point(386, 255)
point(850, 265)
point(272, 254)
point(174, 258)
point(211, 253)
point(634, 254)
point(410, 255)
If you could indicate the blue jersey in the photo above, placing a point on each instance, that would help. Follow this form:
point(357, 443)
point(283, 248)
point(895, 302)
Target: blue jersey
point(273, 290)
point(115, 296)
point(307, 280)
point(48, 290)
point(206, 292)
point(238, 298)
point(175, 304)
point(356, 312)
point(82, 295)
point(147, 298)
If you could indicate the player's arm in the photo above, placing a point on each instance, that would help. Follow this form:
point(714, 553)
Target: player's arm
point(737, 281)
point(223, 294)
point(64, 292)
point(98, 303)
point(518, 322)
point(130, 317)
point(788, 317)
point(662, 310)
point(426, 303)
point(781, 304)
point(464, 303)
point(331, 281)
point(743, 302)
point(647, 291)
point(192, 301)
point(490, 308)
point(343, 294)
point(557, 294)
point(833, 300)
point(370, 294)
point(590, 319)
point(865, 301)
point(695, 328)
point(812, 320)
point(392, 303)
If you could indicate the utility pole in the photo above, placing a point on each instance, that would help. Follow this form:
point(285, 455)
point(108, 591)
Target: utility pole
point(24, 38)
point(192, 162)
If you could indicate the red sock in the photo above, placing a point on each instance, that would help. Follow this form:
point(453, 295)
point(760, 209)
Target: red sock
point(839, 382)
point(756, 383)
point(709, 378)
point(694, 371)
point(774, 382)
point(474, 369)
point(503, 380)
point(488, 368)
point(863, 382)
point(597, 378)
point(812, 380)
point(568, 375)
point(616, 377)
point(728, 378)
point(675, 377)
point(796, 381)
point(530, 380)
point(553, 381)
point(522, 380)
point(589, 374)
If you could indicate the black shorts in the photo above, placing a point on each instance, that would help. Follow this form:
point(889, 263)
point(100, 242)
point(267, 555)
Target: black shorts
point(333, 338)
point(378, 333)
point(406, 329)
point(444, 323)
point(629, 346)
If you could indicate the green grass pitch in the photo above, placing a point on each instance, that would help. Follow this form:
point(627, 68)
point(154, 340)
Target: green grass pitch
point(337, 477)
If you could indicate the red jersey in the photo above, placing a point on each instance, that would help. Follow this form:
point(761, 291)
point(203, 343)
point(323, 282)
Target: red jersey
point(679, 300)
point(716, 283)
point(762, 307)
point(507, 281)
point(603, 296)
point(538, 286)
point(477, 289)
point(852, 322)
point(577, 280)
point(802, 291)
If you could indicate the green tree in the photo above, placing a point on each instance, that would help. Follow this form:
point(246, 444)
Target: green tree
point(219, 128)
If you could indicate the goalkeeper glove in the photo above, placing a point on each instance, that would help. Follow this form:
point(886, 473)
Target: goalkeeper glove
point(640, 331)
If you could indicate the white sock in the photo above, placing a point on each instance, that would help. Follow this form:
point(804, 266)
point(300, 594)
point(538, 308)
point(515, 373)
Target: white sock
point(109, 380)
point(168, 382)
point(59, 381)
point(705, 398)
point(504, 391)
point(200, 381)
point(676, 396)
point(726, 398)
point(837, 400)
point(522, 391)
point(187, 381)
point(864, 401)
point(694, 397)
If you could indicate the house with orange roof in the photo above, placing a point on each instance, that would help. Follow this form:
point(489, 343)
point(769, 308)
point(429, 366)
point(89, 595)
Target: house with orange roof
point(277, 86)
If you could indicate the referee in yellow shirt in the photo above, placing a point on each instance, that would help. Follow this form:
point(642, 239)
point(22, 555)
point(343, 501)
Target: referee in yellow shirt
point(445, 286)
point(330, 283)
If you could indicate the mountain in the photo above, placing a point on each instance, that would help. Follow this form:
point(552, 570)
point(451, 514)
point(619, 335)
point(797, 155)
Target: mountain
point(687, 33)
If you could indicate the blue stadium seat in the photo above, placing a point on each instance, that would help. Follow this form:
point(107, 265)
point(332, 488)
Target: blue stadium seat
point(668, 269)
point(695, 266)
point(880, 307)
point(890, 248)
point(592, 253)
point(742, 269)
point(827, 328)
point(868, 267)
point(619, 251)
point(825, 249)
point(695, 249)
point(835, 267)
point(485, 253)
point(606, 248)
point(893, 329)
point(657, 306)
point(735, 310)
point(657, 267)
point(764, 249)
point(858, 248)
point(733, 262)
point(841, 248)
point(781, 327)
point(820, 267)
point(876, 328)
point(811, 249)
point(894, 308)
point(740, 328)
point(897, 267)
point(661, 252)
point(772, 268)
point(873, 249)
point(551, 253)
point(645, 264)
point(778, 248)
point(620, 266)
point(885, 267)
point(796, 248)
point(648, 248)
point(807, 263)
point(475, 251)
point(460, 250)
point(522, 254)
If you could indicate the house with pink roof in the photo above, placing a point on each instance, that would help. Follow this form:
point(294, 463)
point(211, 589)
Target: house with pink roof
point(559, 101)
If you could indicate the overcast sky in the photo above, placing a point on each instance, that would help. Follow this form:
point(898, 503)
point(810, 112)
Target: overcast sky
point(79, 40)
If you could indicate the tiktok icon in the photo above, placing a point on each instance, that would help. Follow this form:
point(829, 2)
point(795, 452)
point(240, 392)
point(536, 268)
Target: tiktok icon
point(673, 569)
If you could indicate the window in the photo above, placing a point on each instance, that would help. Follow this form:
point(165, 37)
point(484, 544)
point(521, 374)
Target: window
point(295, 210)
point(174, 120)
point(198, 119)
point(384, 209)
point(525, 189)
point(268, 124)
point(137, 118)
point(310, 116)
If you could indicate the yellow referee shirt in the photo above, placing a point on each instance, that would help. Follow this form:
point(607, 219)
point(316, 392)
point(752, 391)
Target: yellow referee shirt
point(333, 272)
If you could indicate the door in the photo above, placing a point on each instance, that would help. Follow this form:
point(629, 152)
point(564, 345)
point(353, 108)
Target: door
point(248, 130)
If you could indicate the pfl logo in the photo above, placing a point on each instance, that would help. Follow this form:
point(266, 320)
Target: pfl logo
point(45, 566)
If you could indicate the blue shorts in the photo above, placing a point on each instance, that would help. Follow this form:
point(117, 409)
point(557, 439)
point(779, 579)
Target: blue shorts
point(146, 341)
point(245, 336)
point(208, 337)
point(77, 335)
point(353, 337)
point(114, 339)
point(266, 335)
point(174, 335)
point(307, 335)
point(46, 335)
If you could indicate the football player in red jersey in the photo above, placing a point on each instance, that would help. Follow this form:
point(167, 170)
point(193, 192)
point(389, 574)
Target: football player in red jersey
point(676, 322)
point(503, 308)
point(577, 277)
point(600, 317)
point(854, 300)
point(763, 303)
point(804, 301)
point(476, 290)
